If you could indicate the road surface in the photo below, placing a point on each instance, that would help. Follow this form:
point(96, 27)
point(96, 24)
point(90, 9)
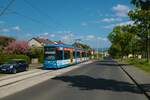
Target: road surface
point(101, 80)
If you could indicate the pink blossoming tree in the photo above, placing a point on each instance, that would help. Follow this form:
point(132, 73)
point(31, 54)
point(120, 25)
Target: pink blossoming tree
point(17, 47)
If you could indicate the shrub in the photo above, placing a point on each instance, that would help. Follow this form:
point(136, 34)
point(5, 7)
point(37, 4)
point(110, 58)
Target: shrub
point(37, 53)
point(6, 58)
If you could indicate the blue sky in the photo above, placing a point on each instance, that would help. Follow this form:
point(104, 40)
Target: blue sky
point(66, 20)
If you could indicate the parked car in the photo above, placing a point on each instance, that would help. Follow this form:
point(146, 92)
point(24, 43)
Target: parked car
point(14, 66)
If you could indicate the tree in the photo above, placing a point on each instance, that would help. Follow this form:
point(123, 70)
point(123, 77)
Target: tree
point(35, 52)
point(141, 17)
point(82, 46)
point(16, 47)
point(114, 51)
point(5, 40)
point(120, 38)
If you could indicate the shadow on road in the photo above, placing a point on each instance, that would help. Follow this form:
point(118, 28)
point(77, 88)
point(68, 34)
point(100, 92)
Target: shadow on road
point(110, 62)
point(89, 83)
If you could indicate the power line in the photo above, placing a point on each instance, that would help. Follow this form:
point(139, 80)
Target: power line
point(27, 17)
point(9, 4)
point(22, 15)
point(17, 13)
point(41, 12)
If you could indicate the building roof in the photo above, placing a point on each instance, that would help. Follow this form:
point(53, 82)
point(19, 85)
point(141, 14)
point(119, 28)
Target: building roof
point(59, 42)
point(6, 38)
point(42, 40)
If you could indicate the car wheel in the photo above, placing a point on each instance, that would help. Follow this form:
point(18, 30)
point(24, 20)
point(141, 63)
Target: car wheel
point(14, 71)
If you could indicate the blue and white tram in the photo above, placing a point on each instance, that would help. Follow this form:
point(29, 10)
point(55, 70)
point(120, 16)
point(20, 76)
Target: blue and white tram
point(62, 55)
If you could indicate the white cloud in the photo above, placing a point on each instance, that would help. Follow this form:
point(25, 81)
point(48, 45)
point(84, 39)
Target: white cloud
point(102, 38)
point(68, 38)
point(109, 26)
point(52, 35)
point(118, 24)
point(2, 22)
point(9, 29)
point(62, 32)
point(111, 19)
point(126, 23)
point(84, 24)
point(5, 30)
point(89, 37)
point(16, 28)
point(99, 38)
point(28, 34)
point(121, 10)
point(46, 33)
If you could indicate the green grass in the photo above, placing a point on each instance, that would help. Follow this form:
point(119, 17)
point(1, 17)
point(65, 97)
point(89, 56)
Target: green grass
point(139, 63)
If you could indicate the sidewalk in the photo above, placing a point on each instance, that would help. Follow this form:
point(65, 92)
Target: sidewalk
point(140, 76)
point(31, 67)
point(35, 66)
point(6, 80)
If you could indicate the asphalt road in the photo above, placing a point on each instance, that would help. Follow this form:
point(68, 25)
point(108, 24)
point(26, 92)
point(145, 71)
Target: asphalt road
point(101, 80)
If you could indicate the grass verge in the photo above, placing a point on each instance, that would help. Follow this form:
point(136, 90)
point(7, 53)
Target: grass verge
point(139, 63)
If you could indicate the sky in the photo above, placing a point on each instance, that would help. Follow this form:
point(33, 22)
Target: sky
point(67, 20)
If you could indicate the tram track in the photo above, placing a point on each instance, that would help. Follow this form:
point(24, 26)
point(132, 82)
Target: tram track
point(22, 77)
point(18, 74)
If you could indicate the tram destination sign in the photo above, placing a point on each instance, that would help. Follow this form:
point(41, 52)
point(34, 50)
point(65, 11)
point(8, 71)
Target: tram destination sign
point(50, 52)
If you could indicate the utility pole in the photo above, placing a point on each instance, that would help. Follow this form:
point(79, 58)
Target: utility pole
point(97, 48)
point(148, 47)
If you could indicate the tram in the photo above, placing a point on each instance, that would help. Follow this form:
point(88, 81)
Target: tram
point(63, 55)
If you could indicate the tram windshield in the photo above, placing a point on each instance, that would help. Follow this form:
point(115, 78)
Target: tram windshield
point(50, 53)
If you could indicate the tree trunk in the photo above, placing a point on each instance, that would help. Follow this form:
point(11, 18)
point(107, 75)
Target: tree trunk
point(147, 47)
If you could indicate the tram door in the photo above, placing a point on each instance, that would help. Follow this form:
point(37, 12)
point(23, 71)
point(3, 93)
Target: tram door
point(80, 56)
point(71, 56)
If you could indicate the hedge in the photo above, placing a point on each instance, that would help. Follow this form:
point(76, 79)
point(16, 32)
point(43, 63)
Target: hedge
point(5, 58)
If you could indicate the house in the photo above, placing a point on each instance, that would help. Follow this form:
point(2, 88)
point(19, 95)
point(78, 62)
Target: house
point(39, 42)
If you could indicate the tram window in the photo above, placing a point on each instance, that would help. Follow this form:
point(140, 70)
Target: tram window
point(78, 54)
point(49, 49)
point(59, 55)
point(49, 53)
point(83, 54)
point(49, 56)
point(87, 54)
point(73, 54)
point(66, 54)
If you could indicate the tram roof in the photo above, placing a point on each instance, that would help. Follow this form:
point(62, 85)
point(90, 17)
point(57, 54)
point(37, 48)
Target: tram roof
point(60, 45)
point(63, 45)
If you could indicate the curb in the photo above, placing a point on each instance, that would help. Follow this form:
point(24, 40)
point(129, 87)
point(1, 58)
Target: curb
point(137, 84)
point(135, 81)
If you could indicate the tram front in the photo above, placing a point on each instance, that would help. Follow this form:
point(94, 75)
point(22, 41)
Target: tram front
point(50, 57)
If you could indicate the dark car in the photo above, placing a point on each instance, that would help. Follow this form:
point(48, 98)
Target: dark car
point(14, 66)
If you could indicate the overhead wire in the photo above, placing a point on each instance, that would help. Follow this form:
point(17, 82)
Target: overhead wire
point(42, 13)
point(6, 8)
